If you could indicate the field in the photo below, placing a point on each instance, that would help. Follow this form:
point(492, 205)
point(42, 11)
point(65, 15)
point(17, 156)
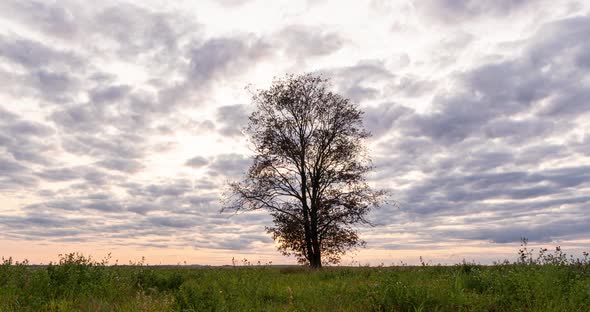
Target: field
point(77, 283)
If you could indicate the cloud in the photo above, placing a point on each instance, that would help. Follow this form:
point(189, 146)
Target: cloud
point(547, 86)
point(544, 232)
point(121, 164)
point(60, 174)
point(302, 41)
point(52, 19)
point(231, 166)
point(477, 137)
point(123, 145)
point(136, 30)
point(167, 188)
point(356, 81)
point(381, 119)
point(176, 223)
point(108, 94)
point(231, 3)
point(26, 140)
point(224, 56)
point(452, 11)
point(493, 147)
point(40, 70)
point(10, 166)
point(232, 119)
point(35, 55)
point(93, 131)
point(412, 86)
point(197, 162)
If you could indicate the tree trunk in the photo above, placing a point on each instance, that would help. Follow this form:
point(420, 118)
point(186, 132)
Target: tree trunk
point(308, 240)
point(317, 258)
point(317, 254)
point(316, 261)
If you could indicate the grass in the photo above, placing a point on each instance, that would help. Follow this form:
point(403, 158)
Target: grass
point(76, 283)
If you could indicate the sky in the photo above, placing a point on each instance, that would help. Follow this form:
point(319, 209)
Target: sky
point(120, 123)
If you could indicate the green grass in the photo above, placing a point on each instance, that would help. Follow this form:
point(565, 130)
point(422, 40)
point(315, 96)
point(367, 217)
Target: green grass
point(79, 284)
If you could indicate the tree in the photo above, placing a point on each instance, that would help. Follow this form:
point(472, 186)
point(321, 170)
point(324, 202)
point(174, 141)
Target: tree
point(309, 169)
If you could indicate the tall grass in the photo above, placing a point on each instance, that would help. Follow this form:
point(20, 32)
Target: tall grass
point(540, 281)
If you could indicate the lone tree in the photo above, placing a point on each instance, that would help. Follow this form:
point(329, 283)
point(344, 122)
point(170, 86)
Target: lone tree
point(308, 169)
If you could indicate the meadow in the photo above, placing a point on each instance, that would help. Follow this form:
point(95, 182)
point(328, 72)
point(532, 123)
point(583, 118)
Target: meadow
point(545, 282)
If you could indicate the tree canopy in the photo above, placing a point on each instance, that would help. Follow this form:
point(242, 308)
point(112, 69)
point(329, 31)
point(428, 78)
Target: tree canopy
point(308, 170)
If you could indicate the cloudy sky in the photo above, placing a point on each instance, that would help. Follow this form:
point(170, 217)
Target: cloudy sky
point(120, 123)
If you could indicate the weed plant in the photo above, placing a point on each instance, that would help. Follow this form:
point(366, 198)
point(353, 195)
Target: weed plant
point(536, 281)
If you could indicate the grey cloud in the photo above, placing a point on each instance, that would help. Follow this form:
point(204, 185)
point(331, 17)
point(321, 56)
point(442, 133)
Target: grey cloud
point(454, 11)
point(197, 162)
point(582, 146)
point(55, 86)
point(466, 178)
point(521, 85)
point(96, 178)
point(40, 220)
point(238, 241)
point(220, 56)
point(85, 118)
point(398, 156)
point(104, 206)
point(48, 72)
point(211, 61)
point(232, 119)
point(454, 194)
point(127, 29)
point(24, 131)
point(121, 164)
point(25, 127)
point(143, 208)
point(167, 188)
point(544, 232)
point(109, 93)
point(379, 120)
point(8, 166)
point(45, 16)
point(125, 145)
point(305, 41)
point(450, 126)
point(35, 55)
point(137, 30)
point(26, 140)
point(202, 200)
point(112, 105)
point(412, 86)
point(79, 203)
point(60, 174)
point(482, 161)
point(18, 182)
point(229, 165)
point(573, 101)
point(6, 115)
point(203, 126)
point(354, 80)
point(173, 222)
point(519, 130)
point(160, 210)
point(561, 36)
point(541, 82)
